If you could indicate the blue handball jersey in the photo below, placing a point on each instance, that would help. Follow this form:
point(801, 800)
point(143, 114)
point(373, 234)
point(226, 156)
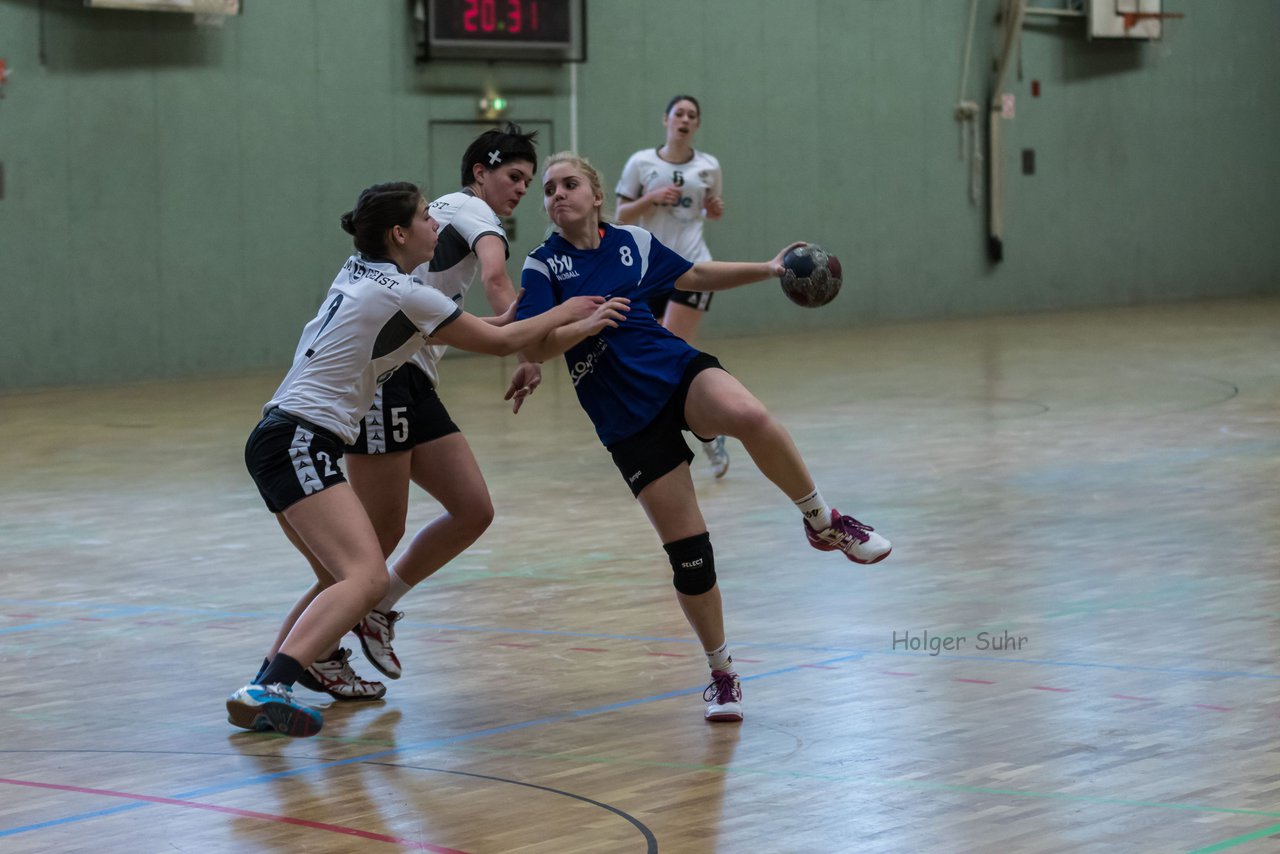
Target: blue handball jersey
point(623, 376)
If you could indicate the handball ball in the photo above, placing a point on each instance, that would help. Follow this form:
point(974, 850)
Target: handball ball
point(811, 276)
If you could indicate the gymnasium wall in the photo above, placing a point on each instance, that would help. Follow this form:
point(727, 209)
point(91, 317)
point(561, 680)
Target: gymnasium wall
point(171, 193)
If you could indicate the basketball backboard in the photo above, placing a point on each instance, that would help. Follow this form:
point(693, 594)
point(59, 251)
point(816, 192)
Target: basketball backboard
point(1127, 19)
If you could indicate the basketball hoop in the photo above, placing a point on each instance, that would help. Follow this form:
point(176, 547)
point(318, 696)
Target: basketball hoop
point(213, 13)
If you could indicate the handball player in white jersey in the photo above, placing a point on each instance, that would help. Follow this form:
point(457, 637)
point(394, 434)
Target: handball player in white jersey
point(670, 191)
point(408, 434)
point(643, 387)
point(374, 317)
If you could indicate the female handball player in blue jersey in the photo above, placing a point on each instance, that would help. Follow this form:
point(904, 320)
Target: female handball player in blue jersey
point(375, 316)
point(642, 386)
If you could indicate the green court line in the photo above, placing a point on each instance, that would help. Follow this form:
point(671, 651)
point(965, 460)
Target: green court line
point(1238, 840)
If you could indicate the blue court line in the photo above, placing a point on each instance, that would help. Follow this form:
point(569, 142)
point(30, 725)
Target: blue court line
point(32, 626)
point(422, 745)
point(115, 608)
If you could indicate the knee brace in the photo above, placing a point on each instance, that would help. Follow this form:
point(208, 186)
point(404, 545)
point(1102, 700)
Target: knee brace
point(694, 564)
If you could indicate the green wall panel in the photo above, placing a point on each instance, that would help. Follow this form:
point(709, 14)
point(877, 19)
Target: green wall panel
point(172, 192)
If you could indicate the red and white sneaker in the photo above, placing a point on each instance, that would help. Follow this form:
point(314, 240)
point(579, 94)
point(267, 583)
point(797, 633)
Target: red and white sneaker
point(376, 631)
point(860, 543)
point(724, 698)
point(334, 676)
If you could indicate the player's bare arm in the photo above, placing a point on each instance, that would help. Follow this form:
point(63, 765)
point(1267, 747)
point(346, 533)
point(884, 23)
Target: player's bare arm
point(723, 275)
point(607, 315)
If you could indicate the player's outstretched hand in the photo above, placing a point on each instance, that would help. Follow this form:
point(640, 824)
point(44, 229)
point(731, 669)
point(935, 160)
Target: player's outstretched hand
point(578, 308)
point(776, 264)
point(509, 315)
point(608, 314)
point(524, 381)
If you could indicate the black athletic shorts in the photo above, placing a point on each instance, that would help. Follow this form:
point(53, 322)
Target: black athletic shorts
point(289, 458)
point(699, 300)
point(406, 412)
point(660, 446)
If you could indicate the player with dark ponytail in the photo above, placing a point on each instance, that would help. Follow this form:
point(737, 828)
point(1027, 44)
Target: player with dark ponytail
point(408, 435)
point(374, 317)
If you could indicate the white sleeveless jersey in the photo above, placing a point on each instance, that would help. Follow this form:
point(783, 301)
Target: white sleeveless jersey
point(464, 218)
point(373, 319)
point(678, 226)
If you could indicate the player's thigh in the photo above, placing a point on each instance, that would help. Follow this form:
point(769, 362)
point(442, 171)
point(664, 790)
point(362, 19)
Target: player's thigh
point(718, 404)
point(333, 526)
point(447, 469)
point(671, 504)
point(381, 481)
point(321, 572)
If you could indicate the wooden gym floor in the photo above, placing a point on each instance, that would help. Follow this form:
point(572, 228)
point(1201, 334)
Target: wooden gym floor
point(1097, 492)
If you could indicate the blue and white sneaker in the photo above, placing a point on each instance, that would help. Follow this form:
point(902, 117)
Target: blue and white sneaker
point(717, 456)
point(262, 708)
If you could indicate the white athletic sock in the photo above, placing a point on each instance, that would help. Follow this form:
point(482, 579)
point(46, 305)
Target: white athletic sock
point(395, 590)
point(816, 511)
point(719, 659)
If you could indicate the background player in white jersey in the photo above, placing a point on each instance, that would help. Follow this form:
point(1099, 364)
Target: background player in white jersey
point(642, 387)
point(374, 317)
point(670, 191)
point(408, 435)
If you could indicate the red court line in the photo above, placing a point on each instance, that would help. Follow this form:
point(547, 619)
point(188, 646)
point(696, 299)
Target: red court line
point(975, 681)
point(586, 649)
point(519, 645)
point(282, 819)
point(1055, 690)
point(1212, 708)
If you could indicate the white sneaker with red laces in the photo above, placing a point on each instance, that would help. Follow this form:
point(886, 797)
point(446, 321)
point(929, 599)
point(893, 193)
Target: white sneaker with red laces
point(724, 698)
point(860, 543)
point(334, 676)
point(376, 631)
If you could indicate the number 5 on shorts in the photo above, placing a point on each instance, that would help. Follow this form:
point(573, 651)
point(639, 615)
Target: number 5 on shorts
point(399, 424)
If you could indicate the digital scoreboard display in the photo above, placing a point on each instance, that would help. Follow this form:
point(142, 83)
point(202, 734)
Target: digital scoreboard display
point(488, 30)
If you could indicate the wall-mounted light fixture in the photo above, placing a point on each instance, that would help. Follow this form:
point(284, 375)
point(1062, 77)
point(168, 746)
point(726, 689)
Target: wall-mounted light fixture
point(492, 106)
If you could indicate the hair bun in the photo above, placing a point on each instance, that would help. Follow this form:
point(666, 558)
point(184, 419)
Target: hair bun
point(349, 222)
